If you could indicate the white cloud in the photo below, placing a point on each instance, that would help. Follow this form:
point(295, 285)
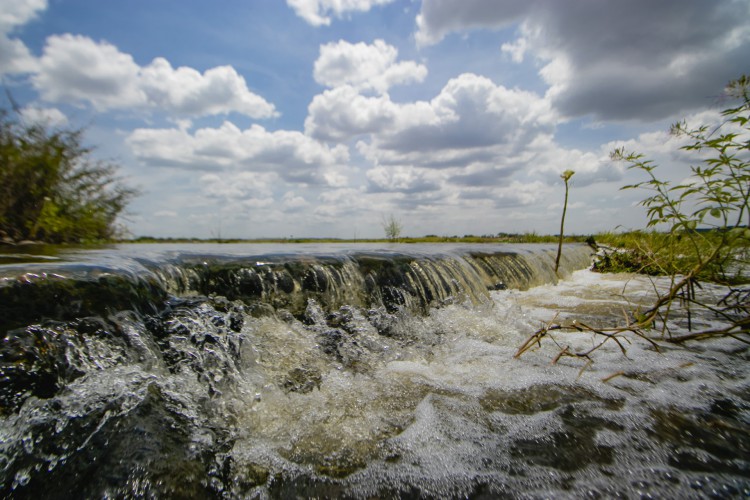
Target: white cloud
point(622, 60)
point(470, 114)
point(471, 120)
point(318, 12)
point(237, 185)
point(15, 57)
point(364, 67)
point(404, 179)
point(521, 193)
point(516, 50)
point(186, 91)
point(15, 13)
point(290, 155)
point(342, 113)
point(292, 202)
point(345, 202)
point(476, 144)
point(52, 117)
point(76, 68)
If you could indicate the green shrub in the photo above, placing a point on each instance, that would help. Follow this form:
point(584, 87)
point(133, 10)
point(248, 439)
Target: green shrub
point(51, 189)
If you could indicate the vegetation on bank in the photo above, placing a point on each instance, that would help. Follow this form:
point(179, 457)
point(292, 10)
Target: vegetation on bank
point(51, 188)
point(705, 237)
point(468, 238)
point(656, 253)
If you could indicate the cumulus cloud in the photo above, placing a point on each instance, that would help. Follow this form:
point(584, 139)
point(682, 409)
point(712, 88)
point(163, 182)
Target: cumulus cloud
point(628, 60)
point(518, 193)
point(474, 144)
point(15, 57)
point(471, 120)
point(364, 66)
point(52, 117)
point(290, 155)
point(237, 185)
point(342, 113)
point(318, 12)
point(293, 203)
point(76, 68)
point(471, 113)
point(403, 179)
point(15, 13)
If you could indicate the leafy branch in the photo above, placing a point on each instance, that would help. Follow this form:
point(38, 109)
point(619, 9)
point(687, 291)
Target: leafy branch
point(704, 240)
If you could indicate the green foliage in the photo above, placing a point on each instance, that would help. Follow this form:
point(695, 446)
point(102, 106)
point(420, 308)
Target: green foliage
point(52, 190)
point(703, 215)
point(530, 237)
point(658, 253)
point(704, 240)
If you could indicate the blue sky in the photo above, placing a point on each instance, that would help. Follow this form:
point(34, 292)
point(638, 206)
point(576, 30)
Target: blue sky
point(305, 118)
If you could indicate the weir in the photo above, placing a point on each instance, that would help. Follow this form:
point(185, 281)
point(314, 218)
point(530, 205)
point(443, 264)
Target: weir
point(250, 371)
point(424, 277)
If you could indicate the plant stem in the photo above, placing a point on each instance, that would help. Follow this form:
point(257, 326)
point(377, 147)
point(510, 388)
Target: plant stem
point(565, 177)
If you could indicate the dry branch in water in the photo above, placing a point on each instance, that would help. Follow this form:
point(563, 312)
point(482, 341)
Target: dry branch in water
point(735, 309)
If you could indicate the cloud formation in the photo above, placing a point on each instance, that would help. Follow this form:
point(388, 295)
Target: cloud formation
point(15, 57)
point(342, 113)
point(51, 117)
point(471, 120)
point(475, 143)
point(624, 60)
point(364, 66)
point(289, 155)
point(467, 147)
point(319, 12)
point(78, 69)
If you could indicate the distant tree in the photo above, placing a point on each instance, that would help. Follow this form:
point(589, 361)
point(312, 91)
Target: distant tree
point(51, 189)
point(392, 228)
point(565, 176)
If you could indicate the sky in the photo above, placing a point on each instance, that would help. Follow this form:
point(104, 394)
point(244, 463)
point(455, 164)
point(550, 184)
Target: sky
point(323, 118)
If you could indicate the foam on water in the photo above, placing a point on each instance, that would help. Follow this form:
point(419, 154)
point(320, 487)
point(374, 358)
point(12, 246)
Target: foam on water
point(374, 403)
point(459, 416)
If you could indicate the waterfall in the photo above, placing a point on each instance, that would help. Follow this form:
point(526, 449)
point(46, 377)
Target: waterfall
point(271, 372)
point(415, 281)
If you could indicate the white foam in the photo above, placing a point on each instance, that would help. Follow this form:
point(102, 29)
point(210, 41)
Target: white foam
point(417, 417)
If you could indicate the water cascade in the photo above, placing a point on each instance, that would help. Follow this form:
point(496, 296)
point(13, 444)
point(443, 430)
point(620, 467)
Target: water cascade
point(244, 371)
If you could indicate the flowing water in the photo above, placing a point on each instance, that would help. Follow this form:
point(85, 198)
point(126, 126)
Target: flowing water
point(252, 371)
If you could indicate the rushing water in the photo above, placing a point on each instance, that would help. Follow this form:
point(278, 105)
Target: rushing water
point(351, 371)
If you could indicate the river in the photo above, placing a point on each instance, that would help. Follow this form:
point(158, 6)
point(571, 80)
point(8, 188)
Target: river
point(352, 371)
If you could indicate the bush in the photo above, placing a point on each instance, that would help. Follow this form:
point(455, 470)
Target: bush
point(52, 190)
